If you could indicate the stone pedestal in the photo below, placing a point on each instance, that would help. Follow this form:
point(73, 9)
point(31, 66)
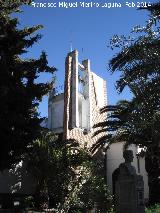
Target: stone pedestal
point(129, 189)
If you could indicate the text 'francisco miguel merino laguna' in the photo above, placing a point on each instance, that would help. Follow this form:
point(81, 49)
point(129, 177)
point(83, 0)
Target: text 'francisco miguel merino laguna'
point(64, 4)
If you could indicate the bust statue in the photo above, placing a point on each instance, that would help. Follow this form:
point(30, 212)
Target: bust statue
point(126, 167)
point(128, 156)
point(129, 187)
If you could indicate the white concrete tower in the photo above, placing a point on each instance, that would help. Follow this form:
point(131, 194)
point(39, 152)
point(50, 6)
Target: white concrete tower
point(77, 110)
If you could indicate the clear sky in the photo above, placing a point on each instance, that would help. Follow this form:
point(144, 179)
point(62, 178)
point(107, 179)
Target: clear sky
point(89, 29)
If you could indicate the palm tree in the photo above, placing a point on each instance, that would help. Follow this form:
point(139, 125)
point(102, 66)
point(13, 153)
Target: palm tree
point(137, 121)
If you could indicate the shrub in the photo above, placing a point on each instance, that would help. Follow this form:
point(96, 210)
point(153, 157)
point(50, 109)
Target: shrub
point(153, 209)
point(29, 202)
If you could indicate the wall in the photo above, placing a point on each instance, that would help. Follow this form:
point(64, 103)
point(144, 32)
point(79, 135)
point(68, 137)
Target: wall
point(100, 90)
point(145, 177)
point(83, 109)
point(56, 111)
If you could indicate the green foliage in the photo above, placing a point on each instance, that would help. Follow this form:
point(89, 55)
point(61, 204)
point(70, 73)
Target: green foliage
point(111, 210)
point(136, 121)
point(139, 64)
point(95, 190)
point(153, 209)
point(66, 173)
point(53, 162)
point(19, 93)
point(29, 202)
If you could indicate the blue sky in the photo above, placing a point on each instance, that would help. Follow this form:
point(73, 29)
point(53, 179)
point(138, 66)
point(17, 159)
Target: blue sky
point(89, 29)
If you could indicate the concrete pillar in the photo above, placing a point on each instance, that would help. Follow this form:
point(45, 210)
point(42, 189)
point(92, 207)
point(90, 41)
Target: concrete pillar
point(74, 89)
point(86, 64)
point(71, 117)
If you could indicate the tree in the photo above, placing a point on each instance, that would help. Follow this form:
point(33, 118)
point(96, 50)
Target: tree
point(95, 190)
point(53, 163)
point(19, 93)
point(41, 163)
point(136, 121)
point(65, 174)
